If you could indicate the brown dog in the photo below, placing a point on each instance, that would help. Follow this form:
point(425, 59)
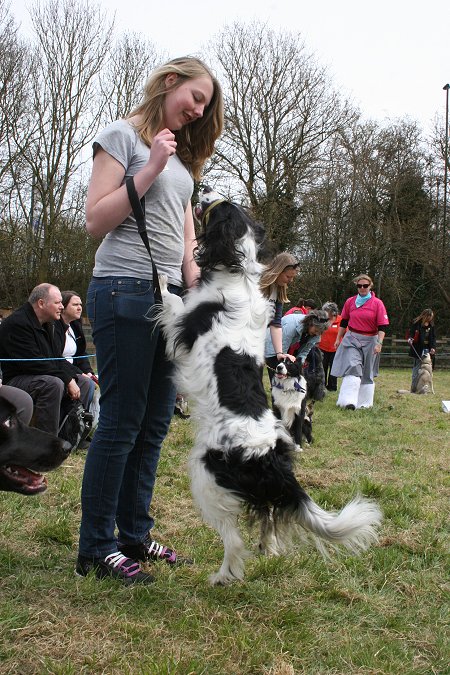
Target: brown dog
point(424, 382)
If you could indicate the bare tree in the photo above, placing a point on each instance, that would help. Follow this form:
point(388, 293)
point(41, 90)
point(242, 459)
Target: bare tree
point(13, 82)
point(64, 112)
point(129, 64)
point(280, 109)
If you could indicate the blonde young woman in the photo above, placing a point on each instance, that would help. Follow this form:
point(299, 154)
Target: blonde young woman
point(274, 282)
point(357, 356)
point(163, 145)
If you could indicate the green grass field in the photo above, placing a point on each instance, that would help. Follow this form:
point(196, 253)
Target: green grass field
point(383, 612)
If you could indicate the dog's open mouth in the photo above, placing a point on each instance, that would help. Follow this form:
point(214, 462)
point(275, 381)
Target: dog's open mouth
point(198, 212)
point(24, 480)
point(281, 376)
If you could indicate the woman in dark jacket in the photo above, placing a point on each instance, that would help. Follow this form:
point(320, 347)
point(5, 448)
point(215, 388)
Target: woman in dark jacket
point(72, 335)
point(72, 341)
point(421, 337)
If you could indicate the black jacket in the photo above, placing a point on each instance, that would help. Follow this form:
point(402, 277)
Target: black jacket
point(23, 337)
point(423, 338)
point(81, 365)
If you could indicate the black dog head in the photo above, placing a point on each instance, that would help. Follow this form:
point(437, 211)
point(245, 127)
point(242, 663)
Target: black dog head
point(24, 452)
point(230, 238)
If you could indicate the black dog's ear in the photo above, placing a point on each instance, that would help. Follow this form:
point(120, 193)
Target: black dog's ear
point(217, 243)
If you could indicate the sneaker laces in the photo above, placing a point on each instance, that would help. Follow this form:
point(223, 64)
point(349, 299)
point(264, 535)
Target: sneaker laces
point(158, 551)
point(123, 564)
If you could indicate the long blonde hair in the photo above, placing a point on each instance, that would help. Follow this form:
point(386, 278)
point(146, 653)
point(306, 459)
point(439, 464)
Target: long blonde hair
point(425, 316)
point(268, 278)
point(195, 141)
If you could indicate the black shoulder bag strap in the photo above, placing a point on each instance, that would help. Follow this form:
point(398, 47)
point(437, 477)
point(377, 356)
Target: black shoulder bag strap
point(139, 214)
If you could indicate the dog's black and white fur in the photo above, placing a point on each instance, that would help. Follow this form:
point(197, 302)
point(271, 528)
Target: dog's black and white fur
point(289, 398)
point(314, 374)
point(243, 456)
point(25, 452)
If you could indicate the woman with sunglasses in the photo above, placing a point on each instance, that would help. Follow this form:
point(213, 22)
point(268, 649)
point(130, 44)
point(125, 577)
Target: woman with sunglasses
point(357, 357)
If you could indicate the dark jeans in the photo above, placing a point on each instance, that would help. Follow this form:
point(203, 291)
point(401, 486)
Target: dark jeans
point(136, 406)
point(47, 393)
point(330, 380)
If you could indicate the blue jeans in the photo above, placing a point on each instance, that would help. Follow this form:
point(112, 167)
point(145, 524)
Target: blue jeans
point(136, 405)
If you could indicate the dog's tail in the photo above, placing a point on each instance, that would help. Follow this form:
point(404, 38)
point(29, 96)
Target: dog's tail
point(354, 527)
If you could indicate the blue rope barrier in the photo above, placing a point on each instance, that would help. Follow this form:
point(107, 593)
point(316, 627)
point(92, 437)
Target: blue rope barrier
point(49, 358)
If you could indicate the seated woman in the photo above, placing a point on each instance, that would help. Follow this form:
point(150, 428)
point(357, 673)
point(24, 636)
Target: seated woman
point(71, 336)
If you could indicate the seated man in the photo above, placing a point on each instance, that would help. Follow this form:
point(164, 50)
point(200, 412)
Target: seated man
point(27, 336)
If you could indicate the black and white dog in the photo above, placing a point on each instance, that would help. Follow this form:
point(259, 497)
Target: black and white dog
point(289, 398)
point(243, 456)
point(25, 452)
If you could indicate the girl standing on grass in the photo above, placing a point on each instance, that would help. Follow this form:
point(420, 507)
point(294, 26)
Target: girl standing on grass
point(163, 145)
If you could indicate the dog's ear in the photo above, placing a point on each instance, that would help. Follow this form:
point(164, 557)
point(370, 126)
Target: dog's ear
point(217, 242)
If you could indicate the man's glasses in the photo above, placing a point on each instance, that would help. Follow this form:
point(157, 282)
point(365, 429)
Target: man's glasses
point(362, 285)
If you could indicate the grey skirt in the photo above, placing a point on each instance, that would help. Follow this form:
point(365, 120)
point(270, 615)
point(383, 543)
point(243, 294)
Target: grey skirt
point(355, 356)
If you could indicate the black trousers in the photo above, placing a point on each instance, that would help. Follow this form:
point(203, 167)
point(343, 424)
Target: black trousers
point(47, 392)
point(330, 380)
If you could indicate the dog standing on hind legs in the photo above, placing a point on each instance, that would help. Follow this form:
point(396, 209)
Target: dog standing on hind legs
point(243, 457)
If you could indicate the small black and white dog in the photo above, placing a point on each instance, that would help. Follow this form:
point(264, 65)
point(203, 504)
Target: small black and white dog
point(242, 458)
point(289, 398)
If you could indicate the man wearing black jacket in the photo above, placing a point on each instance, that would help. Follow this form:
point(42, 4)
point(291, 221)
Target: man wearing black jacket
point(28, 336)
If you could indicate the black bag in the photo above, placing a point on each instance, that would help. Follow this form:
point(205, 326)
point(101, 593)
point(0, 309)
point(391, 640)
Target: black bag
point(75, 424)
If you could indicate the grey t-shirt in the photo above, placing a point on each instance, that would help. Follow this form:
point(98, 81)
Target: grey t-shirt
point(122, 252)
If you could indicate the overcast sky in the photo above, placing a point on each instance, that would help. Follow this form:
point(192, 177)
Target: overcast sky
point(391, 57)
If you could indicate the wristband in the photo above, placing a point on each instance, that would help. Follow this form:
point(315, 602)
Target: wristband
point(379, 342)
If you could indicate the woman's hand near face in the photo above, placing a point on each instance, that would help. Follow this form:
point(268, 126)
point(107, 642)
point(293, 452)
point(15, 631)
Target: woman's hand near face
point(164, 145)
point(281, 357)
point(107, 203)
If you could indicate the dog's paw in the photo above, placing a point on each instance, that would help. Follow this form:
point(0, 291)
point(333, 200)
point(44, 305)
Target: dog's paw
point(297, 448)
point(220, 579)
point(163, 283)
